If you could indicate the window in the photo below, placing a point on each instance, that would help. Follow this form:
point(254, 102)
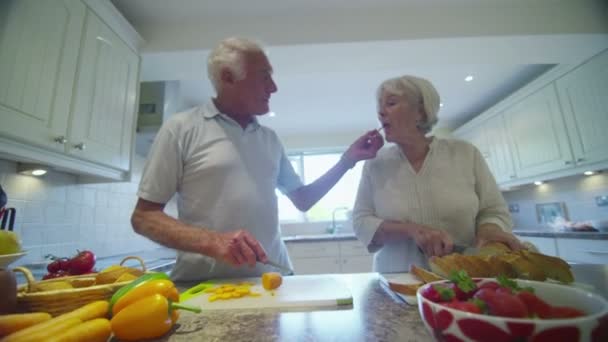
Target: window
point(310, 167)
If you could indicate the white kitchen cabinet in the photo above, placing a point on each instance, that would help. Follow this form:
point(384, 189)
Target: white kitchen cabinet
point(315, 265)
point(103, 116)
point(354, 257)
point(500, 160)
point(583, 94)
point(329, 257)
point(39, 46)
point(490, 139)
point(583, 250)
point(537, 134)
point(68, 90)
point(314, 257)
point(545, 245)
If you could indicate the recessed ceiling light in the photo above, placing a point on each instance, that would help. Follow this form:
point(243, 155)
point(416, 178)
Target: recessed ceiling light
point(440, 104)
point(272, 114)
point(588, 173)
point(538, 183)
point(468, 78)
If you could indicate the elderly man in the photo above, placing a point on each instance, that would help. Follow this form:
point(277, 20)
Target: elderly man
point(225, 168)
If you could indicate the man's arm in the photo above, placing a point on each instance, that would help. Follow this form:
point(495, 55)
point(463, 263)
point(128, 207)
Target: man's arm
point(365, 147)
point(236, 248)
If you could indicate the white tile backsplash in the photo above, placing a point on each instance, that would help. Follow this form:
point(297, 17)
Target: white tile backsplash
point(59, 213)
point(577, 192)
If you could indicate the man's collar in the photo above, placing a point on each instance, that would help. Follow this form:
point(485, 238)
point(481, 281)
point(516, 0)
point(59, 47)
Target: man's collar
point(211, 111)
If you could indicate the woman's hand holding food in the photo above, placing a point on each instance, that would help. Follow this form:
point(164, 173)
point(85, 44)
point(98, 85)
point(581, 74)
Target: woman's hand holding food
point(432, 241)
point(487, 233)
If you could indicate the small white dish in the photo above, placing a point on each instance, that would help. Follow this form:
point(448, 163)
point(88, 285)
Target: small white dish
point(8, 259)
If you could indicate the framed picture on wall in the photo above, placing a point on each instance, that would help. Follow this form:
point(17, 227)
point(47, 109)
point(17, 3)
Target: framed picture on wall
point(547, 213)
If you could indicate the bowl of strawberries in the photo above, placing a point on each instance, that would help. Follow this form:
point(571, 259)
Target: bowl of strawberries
point(502, 309)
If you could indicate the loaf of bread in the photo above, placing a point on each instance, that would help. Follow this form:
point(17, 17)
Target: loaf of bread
point(497, 259)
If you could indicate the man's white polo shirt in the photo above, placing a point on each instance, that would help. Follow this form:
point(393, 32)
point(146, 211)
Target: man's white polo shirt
point(225, 179)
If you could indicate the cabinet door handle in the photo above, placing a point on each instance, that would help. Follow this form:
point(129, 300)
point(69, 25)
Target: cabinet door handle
point(512, 176)
point(568, 162)
point(60, 140)
point(80, 146)
point(580, 160)
point(597, 252)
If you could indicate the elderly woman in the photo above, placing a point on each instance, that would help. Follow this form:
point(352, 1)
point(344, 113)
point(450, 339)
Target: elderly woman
point(424, 195)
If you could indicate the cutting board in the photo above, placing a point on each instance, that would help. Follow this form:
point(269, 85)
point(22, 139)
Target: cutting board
point(305, 291)
point(400, 278)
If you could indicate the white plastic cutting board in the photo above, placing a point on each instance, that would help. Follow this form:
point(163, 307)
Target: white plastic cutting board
point(306, 291)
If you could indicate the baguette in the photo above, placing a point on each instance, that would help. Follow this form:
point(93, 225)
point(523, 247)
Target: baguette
point(554, 268)
point(424, 275)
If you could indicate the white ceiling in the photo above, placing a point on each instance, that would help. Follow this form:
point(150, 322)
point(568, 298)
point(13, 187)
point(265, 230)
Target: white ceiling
point(330, 55)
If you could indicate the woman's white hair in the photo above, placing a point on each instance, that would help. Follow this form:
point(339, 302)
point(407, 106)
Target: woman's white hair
point(230, 54)
point(417, 91)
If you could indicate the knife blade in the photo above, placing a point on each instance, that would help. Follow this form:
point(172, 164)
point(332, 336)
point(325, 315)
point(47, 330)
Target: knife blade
point(285, 269)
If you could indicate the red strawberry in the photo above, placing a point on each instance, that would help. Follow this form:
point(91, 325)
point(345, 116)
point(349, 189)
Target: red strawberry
point(536, 306)
point(502, 304)
point(438, 293)
point(490, 284)
point(565, 312)
point(464, 306)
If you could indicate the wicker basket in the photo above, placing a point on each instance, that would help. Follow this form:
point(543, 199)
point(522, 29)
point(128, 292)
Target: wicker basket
point(57, 302)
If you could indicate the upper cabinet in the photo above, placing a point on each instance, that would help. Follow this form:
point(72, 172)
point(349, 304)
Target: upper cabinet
point(103, 115)
point(68, 86)
point(39, 45)
point(490, 139)
point(553, 127)
point(583, 94)
point(538, 134)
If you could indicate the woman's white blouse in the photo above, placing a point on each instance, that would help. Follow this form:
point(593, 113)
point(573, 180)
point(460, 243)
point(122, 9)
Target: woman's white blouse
point(453, 191)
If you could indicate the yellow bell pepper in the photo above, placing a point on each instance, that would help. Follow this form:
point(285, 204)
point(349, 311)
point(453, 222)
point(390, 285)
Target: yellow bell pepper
point(164, 287)
point(149, 317)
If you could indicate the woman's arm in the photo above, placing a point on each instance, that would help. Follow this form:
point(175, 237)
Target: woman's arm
point(493, 222)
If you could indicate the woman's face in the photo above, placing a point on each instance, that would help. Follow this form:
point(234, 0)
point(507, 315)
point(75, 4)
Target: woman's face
point(398, 117)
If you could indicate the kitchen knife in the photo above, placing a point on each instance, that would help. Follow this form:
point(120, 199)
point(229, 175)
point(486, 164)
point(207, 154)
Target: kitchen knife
point(465, 250)
point(285, 269)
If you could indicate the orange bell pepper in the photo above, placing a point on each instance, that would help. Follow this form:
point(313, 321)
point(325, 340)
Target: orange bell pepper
point(149, 317)
point(164, 287)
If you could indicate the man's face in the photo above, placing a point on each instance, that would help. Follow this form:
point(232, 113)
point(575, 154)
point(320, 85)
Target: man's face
point(255, 89)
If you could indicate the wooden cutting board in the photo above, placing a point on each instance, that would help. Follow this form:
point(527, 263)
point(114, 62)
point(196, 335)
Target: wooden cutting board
point(305, 291)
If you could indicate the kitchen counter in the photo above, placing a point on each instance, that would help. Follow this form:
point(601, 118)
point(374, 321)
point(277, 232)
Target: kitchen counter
point(320, 237)
point(563, 235)
point(375, 315)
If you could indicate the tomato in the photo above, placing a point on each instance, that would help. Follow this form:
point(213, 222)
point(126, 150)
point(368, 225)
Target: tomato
point(502, 304)
point(82, 263)
point(53, 275)
point(464, 306)
point(61, 264)
point(536, 306)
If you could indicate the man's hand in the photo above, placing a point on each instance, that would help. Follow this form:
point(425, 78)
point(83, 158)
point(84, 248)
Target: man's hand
point(431, 241)
point(365, 147)
point(487, 233)
point(238, 248)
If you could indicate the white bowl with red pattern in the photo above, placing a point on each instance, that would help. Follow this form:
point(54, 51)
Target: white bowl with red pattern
point(447, 324)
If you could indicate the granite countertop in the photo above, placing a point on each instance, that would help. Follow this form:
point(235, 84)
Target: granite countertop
point(562, 235)
point(320, 237)
point(375, 315)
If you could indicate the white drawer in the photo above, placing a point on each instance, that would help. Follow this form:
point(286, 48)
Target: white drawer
point(352, 248)
point(312, 249)
point(583, 250)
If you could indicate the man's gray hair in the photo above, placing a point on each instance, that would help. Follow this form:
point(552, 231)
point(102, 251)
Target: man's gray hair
point(230, 53)
point(417, 91)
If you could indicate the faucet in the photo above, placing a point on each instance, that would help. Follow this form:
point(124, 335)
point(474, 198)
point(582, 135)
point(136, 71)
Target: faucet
point(333, 218)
